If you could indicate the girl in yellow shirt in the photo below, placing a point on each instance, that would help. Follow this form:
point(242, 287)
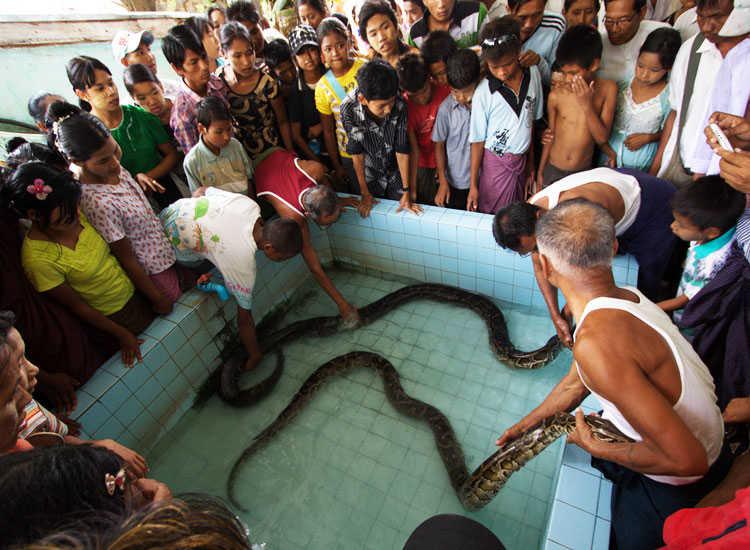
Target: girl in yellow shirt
point(65, 258)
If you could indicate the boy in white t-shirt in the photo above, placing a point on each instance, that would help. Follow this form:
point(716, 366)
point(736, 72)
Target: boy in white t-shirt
point(705, 213)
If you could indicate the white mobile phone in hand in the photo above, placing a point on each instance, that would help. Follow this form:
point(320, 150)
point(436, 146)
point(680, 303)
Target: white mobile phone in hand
point(721, 137)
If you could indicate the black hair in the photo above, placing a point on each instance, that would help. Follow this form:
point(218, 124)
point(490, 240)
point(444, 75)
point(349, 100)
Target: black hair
point(514, 221)
point(580, 45)
point(284, 235)
point(513, 5)
point(665, 43)
point(417, 2)
point(81, 74)
point(412, 72)
point(213, 9)
point(36, 107)
point(344, 21)
point(638, 5)
point(137, 73)
point(178, 40)
point(317, 5)
point(21, 151)
point(709, 202)
point(243, 11)
point(568, 3)
point(276, 52)
point(331, 25)
point(65, 194)
point(371, 8)
point(500, 37)
point(377, 80)
point(200, 25)
point(463, 68)
point(78, 134)
point(438, 46)
point(211, 109)
point(7, 320)
point(47, 488)
point(232, 31)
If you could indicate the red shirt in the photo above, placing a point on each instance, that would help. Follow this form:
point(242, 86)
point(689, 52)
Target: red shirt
point(279, 175)
point(421, 119)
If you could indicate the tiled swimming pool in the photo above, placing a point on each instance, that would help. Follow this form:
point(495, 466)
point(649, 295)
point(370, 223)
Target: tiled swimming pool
point(350, 471)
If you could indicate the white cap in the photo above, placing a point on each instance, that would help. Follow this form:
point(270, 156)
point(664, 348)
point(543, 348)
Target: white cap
point(126, 42)
point(738, 22)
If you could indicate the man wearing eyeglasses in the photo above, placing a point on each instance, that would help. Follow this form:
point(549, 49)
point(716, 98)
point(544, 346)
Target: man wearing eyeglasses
point(624, 32)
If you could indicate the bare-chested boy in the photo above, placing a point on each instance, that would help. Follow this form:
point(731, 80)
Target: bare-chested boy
point(581, 108)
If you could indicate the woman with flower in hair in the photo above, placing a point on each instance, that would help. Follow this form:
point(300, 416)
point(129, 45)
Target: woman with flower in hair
point(66, 259)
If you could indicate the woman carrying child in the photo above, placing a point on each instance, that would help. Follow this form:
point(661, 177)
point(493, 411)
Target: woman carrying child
point(116, 205)
point(66, 259)
point(643, 105)
point(147, 152)
point(252, 94)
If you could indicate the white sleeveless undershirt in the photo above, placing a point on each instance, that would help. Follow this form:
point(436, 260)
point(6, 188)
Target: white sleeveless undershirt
point(626, 185)
point(697, 403)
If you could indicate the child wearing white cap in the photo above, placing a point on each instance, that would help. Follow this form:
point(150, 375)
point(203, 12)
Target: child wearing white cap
point(129, 48)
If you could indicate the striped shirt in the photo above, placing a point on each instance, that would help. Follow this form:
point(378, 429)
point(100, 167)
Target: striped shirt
point(378, 140)
point(743, 233)
point(544, 42)
point(466, 20)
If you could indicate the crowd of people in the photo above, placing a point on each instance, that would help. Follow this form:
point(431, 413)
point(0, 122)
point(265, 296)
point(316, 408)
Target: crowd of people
point(621, 127)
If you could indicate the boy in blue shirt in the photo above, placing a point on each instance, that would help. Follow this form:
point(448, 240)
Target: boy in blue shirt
point(504, 108)
point(705, 213)
point(217, 160)
point(451, 131)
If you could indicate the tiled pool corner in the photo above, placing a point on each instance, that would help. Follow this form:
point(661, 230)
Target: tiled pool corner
point(137, 405)
point(444, 246)
point(580, 516)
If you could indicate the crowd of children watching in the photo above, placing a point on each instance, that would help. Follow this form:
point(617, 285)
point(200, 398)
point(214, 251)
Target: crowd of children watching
point(504, 109)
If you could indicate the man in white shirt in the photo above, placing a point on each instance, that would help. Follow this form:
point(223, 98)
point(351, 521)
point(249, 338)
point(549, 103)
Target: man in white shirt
point(672, 162)
point(622, 38)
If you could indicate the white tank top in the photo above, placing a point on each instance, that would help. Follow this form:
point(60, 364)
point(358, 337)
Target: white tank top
point(626, 185)
point(696, 405)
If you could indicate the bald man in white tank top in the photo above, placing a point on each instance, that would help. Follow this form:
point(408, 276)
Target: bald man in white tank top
point(652, 385)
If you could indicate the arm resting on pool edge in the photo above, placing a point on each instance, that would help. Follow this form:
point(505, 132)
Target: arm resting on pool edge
point(568, 394)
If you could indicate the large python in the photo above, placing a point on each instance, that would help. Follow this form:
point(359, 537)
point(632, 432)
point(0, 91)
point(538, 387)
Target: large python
point(474, 490)
point(322, 326)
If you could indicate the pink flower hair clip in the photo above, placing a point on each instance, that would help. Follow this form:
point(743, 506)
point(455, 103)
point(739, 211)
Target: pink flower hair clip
point(113, 482)
point(39, 189)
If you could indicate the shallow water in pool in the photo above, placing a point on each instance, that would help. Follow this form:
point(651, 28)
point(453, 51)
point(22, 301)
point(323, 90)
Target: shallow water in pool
point(350, 471)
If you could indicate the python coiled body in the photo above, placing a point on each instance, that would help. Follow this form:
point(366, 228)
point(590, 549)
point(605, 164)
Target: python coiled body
point(474, 490)
point(323, 326)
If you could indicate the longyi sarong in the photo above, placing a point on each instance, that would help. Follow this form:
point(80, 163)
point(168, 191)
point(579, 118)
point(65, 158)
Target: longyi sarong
point(501, 181)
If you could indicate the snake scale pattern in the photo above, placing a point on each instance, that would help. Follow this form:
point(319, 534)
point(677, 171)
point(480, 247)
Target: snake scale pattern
point(500, 342)
point(474, 490)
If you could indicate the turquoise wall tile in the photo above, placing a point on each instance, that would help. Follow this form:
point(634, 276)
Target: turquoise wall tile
point(449, 264)
point(155, 358)
point(571, 526)
point(428, 228)
point(447, 232)
point(129, 411)
point(184, 355)
point(430, 246)
point(167, 373)
point(101, 382)
point(466, 236)
point(578, 489)
point(604, 508)
point(149, 391)
point(111, 429)
point(467, 282)
point(116, 396)
point(159, 328)
point(448, 249)
point(601, 535)
point(450, 278)
point(504, 275)
point(503, 291)
point(96, 415)
point(467, 268)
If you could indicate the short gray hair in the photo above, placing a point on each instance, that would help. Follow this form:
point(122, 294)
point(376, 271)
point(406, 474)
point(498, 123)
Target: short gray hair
point(320, 201)
point(576, 235)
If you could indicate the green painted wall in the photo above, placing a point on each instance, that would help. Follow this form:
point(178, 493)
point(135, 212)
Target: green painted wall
point(26, 71)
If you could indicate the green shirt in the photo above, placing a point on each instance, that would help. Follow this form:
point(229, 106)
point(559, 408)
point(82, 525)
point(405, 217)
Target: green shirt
point(139, 135)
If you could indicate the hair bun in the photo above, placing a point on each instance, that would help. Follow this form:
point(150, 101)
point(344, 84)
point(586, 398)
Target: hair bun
point(61, 109)
point(14, 143)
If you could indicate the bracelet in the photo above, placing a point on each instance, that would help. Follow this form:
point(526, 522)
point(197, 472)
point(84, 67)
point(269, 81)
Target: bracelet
point(405, 188)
